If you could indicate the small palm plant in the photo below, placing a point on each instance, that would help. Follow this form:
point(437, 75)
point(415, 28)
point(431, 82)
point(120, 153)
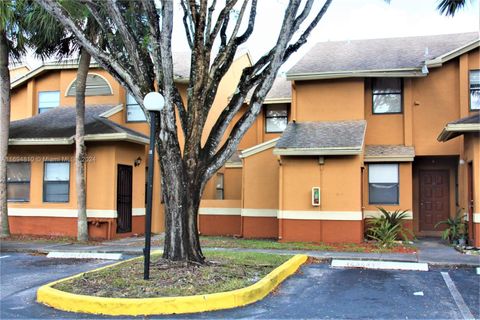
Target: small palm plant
point(387, 228)
point(455, 227)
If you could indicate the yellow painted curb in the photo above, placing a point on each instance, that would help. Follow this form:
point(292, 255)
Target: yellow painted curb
point(167, 305)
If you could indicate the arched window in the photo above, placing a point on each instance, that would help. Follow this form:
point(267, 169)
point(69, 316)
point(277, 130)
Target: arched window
point(96, 86)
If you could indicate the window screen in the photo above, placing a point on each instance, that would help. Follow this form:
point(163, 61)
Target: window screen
point(387, 95)
point(220, 194)
point(383, 184)
point(56, 182)
point(276, 118)
point(475, 90)
point(18, 181)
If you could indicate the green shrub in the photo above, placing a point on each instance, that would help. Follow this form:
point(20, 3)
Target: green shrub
point(388, 228)
point(456, 227)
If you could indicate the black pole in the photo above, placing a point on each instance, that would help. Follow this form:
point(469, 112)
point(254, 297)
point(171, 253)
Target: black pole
point(148, 216)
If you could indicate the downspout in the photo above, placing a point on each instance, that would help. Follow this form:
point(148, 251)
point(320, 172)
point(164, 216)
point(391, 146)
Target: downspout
point(242, 202)
point(280, 198)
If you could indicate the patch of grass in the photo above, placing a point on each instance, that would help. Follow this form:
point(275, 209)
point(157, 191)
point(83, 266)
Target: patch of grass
point(231, 242)
point(224, 271)
point(48, 239)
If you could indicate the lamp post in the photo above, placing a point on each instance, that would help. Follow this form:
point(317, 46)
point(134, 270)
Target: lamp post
point(154, 103)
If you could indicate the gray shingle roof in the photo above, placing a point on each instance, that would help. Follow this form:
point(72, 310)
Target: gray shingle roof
point(470, 124)
point(281, 89)
point(378, 54)
point(473, 119)
point(60, 123)
point(378, 152)
point(317, 138)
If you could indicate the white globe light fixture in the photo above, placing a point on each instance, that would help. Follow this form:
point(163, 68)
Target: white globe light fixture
point(154, 101)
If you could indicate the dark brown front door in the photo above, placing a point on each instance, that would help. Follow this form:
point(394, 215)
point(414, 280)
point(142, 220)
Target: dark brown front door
point(124, 199)
point(434, 198)
point(471, 229)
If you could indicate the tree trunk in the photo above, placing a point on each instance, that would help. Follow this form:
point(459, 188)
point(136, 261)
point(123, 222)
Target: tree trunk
point(4, 130)
point(182, 201)
point(80, 149)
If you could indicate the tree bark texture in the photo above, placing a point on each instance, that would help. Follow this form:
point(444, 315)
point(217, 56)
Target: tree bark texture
point(186, 170)
point(80, 149)
point(4, 130)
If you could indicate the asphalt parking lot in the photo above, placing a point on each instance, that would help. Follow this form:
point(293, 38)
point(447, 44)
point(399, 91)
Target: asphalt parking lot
point(316, 292)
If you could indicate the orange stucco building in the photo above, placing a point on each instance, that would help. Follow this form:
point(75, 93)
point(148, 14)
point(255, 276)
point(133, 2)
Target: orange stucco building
point(41, 171)
point(387, 123)
point(356, 125)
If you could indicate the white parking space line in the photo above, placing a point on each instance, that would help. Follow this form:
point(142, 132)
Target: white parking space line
point(4, 257)
point(383, 265)
point(457, 297)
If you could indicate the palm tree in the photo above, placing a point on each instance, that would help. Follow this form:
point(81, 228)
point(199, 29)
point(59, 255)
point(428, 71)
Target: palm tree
point(450, 7)
point(12, 46)
point(51, 39)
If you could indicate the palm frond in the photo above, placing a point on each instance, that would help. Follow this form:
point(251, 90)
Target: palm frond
point(450, 7)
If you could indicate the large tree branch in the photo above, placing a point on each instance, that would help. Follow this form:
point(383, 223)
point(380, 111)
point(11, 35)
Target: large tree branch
point(188, 23)
point(303, 38)
point(130, 42)
point(216, 161)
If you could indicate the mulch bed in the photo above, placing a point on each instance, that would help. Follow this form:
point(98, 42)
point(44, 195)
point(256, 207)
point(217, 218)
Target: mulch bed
point(223, 272)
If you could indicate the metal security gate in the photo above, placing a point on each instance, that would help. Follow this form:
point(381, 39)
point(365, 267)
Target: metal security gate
point(124, 198)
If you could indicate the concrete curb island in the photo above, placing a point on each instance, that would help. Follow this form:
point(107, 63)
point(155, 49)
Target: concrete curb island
point(167, 305)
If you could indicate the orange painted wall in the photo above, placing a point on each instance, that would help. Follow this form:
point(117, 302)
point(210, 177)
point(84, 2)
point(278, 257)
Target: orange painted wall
point(20, 107)
point(260, 227)
point(101, 170)
point(300, 174)
point(260, 179)
point(438, 103)
point(329, 100)
point(219, 225)
point(472, 155)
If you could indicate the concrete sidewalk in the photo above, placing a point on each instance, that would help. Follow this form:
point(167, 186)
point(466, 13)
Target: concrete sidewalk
point(430, 250)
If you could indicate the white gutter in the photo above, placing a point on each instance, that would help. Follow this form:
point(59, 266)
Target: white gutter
point(258, 148)
point(331, 151)
point(450, 129)
point(44, 141)
point(121, 136)
point(112, 111)
point(407, 72)
point(392, 158)
point(438, 61)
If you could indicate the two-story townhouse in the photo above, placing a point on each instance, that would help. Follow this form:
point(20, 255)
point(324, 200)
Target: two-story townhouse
point(41, 175)
point(364, 121)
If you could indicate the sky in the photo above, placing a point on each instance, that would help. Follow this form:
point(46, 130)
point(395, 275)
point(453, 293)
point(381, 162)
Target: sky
point(348, 20)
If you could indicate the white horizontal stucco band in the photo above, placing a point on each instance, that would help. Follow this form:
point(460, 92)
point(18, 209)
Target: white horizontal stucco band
point(220, 211)
point(68, 213)
point(320, 215)
point(259, 213)
point(476, 217)
point(376, 214)
point(286, 214)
